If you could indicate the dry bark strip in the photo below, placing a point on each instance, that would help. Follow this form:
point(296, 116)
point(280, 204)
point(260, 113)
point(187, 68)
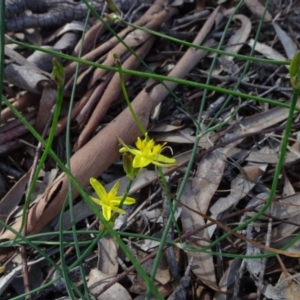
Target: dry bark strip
point(47, 101)
point(82, 108)
point(104, 48)
point(61, 125)
point(23, 74)
point(133, 39)
point(111, 94)
point(21, 104)
point(103, 149)
point(83, 116)
point(49, 13)
point(16, 128)
point(90, 38)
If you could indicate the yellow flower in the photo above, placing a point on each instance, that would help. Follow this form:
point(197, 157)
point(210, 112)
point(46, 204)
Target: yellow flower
point(147, 152)
point(109, 201)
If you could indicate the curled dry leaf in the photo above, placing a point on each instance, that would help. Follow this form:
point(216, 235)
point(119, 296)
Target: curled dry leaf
point(23, 74)
point(47, 102)
point(240, 36)
point(234, 44)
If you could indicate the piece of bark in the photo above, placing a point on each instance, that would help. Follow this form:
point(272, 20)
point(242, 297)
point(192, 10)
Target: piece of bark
point(61, 125)
point(90, 38)
point(49, 13)
point(134, 39)
point(21, 104)
point(95, 54)
point(23, 74)
point(47, 102)
point(16, 128)
point(89, 109)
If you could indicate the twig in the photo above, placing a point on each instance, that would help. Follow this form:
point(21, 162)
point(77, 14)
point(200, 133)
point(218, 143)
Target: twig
point(170, 255)
point(264, 261)
point(180, 291)
point(25, 272)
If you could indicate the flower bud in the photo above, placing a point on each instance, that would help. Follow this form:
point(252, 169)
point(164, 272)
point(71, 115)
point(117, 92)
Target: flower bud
point(130, 171)
point(58, 72)
point(295, 71)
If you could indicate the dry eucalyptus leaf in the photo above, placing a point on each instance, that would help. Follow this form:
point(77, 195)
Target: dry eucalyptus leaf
point(108, 254)
point(165, 128)
point(11, 200)
point(240, 36)
point(257, 9)
point(288, 286)
point(240, 187)
point(98, 279)
point(162, 275)
point(288, 44)
point(266, 50)
point(228, 279)
point(270, 158)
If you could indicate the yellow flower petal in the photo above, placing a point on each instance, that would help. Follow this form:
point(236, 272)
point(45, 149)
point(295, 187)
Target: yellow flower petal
point(99, 188)
point(165, 159)
point(106, 211)
point(96, 200)
point(163, 165)
point(139, 143)
point(130, 150)
point(117, 200)
point(115, 187)
point(118, 210)
point(129, 201)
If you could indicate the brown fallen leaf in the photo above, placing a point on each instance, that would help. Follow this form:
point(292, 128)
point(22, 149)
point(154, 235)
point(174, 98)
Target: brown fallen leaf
point(98, 279)
point(258, 9)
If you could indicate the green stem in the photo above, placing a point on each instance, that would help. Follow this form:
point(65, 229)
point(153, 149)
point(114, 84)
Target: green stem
point(45, 153)
point(122, 81)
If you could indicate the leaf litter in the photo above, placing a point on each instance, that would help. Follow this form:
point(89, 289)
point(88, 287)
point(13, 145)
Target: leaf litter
point(230, 178)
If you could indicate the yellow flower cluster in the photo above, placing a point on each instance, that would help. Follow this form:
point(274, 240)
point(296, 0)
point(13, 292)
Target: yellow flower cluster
point(134, 159)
